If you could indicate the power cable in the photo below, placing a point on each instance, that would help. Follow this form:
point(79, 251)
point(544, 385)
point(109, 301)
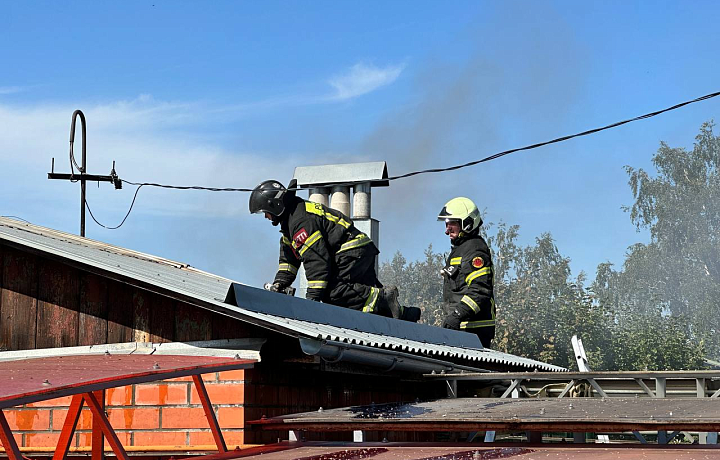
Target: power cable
point(87, 205)
point(555, 141)
point(426, 171)
point(190, 187)
point(17, 218)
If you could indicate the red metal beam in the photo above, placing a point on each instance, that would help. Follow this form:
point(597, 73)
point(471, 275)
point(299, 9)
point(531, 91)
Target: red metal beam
point(68, 429)
point(98, 440)
point(99, 414)
point(8, 441)
point(209, 413)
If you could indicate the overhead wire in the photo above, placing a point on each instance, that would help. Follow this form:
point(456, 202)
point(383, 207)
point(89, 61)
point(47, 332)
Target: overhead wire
point(17, 218)
point(555, 141)
point(87, 205)
point(424, 171)
point(190, 187)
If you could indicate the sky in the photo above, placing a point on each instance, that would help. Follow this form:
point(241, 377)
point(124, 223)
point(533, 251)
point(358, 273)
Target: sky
point(229, 93)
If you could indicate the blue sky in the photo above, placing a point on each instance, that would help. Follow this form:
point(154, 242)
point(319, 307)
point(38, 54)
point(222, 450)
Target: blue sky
point(227, 94)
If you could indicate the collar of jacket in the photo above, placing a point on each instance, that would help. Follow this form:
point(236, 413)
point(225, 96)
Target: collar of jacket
point(290, 206)
point(463, 237)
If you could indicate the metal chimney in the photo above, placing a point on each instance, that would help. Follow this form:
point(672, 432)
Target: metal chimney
point(331, 186)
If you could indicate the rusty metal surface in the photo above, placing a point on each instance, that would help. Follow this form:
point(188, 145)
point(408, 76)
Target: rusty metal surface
point(478, 414)
point(395, 451)
point(32, 380)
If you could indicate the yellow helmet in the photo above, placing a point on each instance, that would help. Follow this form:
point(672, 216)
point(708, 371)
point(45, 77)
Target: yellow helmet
point(464, 210)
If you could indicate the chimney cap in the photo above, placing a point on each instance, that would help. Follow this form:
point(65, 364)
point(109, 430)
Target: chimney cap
point(349, 173)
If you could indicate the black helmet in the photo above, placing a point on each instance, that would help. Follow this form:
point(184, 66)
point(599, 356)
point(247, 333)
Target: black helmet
point(268, 197)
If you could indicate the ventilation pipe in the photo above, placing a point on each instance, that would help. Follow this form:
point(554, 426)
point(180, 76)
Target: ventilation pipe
point(361, 201)
point(340, 199)
point(320, 195)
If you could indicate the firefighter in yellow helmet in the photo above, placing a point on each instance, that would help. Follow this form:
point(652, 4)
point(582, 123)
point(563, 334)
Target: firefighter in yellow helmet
point(468, 274)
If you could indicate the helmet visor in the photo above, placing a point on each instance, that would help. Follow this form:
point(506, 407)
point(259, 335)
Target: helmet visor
point(256, 202)
point(444, 214)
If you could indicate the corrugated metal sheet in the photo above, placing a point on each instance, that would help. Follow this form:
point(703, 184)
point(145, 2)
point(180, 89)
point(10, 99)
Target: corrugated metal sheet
point(209, 291)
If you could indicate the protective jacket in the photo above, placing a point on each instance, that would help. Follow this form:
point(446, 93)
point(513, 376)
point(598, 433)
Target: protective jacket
point(468, 286)
point(339, 259)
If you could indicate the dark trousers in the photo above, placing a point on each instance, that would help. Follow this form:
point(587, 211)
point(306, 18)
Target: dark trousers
point(355, 276)
point(486, 334)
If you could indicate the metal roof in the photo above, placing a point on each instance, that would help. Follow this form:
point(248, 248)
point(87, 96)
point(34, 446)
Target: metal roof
point(598, 415)
point(350, 173)
point(209, 291)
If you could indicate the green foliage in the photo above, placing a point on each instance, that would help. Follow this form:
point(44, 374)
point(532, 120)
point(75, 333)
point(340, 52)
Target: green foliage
point(540, 306)
point(643, 337)
point(678, 272)
point(419, 283)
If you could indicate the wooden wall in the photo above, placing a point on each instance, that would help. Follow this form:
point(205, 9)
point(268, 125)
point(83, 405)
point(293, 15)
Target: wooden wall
point(45, 303)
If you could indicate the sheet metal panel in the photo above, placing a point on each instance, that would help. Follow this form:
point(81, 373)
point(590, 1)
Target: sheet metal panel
point(324, 332)
point(31, 380)
point(374, 172)
point(209, 291)
point(479, 414)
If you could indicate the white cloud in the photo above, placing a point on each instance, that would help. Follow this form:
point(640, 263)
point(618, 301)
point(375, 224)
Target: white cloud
point(363, 78)
point(11, 89)
point(132, 134)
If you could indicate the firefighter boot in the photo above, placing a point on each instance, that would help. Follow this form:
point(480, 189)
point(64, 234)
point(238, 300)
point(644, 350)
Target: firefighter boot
point(389, 301)
point(411, 314)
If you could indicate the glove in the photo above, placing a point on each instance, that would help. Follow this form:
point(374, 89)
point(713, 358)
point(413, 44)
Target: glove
point(280, 288)
point(273, 287)
point(452, 321)
point(457, 313)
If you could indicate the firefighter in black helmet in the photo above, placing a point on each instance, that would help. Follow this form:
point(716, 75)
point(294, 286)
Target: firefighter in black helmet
point(339, 259)
point(468, 274)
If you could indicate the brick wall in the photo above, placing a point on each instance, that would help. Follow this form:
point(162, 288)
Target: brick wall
point(166, 413)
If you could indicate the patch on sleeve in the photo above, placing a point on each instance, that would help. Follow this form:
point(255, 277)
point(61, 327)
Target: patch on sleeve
point(477, 262)
point(300, 237)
